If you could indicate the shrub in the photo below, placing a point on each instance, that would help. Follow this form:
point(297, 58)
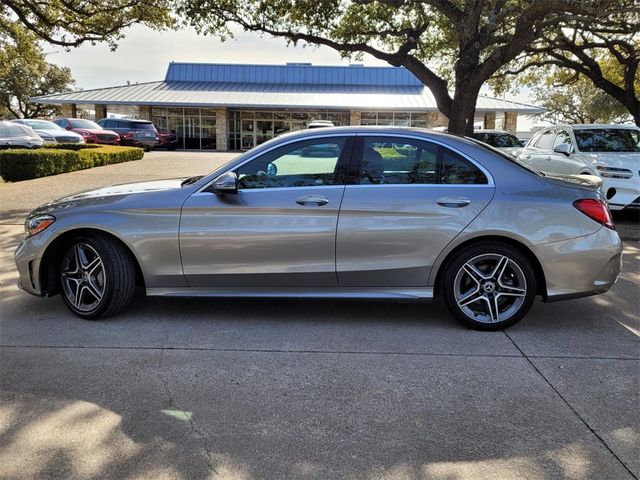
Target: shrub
point(73, 146)
point(23, 164)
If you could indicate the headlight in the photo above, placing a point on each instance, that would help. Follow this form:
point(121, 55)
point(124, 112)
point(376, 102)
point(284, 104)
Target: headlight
point(47, 138)
point(612, 172)
point(38, 223)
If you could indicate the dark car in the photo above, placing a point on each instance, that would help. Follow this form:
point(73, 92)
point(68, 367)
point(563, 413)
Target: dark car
point(133, 133)
point(91, 131)
point(168, 140)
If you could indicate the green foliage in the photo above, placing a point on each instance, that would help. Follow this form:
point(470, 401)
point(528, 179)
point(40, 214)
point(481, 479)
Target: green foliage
point(22, 164)
point(577, 101)
point(73, 146)
point(70, 23)
point(24, 73)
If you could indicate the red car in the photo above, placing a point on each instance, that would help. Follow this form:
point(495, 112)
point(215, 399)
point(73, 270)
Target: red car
point(167, 140)
point(91, 131)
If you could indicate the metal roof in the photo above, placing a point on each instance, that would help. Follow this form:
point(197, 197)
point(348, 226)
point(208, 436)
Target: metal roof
point(278, 86)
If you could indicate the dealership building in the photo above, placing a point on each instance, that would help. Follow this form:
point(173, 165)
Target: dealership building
point(235, 106)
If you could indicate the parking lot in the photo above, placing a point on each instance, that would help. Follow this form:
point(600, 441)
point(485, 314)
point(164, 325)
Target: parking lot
point(284, 389)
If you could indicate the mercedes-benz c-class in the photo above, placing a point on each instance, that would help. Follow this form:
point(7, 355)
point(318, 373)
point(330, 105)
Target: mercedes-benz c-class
point(346, 212)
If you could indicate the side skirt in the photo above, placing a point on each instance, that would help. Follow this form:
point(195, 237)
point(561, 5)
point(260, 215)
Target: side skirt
point(410, 293)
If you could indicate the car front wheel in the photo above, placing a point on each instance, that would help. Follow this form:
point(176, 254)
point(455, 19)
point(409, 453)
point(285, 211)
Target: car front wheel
point(97, 277)
point(489, 286)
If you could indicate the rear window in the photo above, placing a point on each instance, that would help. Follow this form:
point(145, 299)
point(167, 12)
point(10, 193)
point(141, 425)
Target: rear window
point(80, 123)
point(142, 126)
point(498, 140)
point(607, 140)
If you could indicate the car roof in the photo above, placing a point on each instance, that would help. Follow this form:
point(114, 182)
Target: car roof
point(591, 126)
point(134, 120)
point(487, 130)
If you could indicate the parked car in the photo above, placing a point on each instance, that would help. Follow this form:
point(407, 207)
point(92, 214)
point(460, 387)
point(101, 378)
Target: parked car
point(168, 140)
point(14, 135)
point(91, 131)
point(610, 151)
point(500, 139)
point(475, 227)
point(51, 132)
point(320, 124)
point(133, 133)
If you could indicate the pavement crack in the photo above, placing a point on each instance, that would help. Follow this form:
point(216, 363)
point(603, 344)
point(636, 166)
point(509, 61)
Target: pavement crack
point(571, 407)
point(192, 425)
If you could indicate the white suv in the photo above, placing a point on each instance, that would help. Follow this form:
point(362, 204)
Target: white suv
point(609, 151)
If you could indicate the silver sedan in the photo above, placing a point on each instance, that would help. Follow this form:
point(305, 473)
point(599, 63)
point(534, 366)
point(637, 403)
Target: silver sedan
point(347, 212)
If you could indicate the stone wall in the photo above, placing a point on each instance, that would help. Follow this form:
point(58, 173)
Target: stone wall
point(511, 122)
point(101, 112)
point(144, 112)
point(355, 118)
point(490, 120)
point(68, 110)
point(222, 130)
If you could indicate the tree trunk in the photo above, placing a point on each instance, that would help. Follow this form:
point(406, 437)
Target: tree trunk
point(463, 109)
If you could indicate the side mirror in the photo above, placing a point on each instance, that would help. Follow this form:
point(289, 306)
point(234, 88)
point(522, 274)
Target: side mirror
point(563, 148)
point(225, 183)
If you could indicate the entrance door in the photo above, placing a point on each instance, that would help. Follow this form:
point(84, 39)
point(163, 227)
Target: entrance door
point(248, 134)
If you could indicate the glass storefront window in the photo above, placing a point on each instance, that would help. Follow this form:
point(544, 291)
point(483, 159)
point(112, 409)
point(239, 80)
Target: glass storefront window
point(401, 119)
point(208, 132)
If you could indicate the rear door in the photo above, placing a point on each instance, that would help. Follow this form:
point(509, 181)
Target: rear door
point(410, 199)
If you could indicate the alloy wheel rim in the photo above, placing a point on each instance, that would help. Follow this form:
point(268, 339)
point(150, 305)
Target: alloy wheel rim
point(490, 288)
point(83, 277)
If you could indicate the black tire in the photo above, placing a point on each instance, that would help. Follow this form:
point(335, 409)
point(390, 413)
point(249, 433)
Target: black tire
point(116, 280)
point(509, 294)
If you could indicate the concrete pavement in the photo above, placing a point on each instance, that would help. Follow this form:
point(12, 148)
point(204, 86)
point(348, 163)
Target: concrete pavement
point(237, 389)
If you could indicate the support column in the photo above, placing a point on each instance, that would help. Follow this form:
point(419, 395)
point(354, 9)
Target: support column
point(511, 121)
point(68, 110)
point(144, 112)
point(101, 112)
point(490, 120)
point(436, 119)
point(355, 118)
point(222, 130)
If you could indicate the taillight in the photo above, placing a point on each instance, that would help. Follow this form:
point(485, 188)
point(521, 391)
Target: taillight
point(128, 135)
point(595, 210)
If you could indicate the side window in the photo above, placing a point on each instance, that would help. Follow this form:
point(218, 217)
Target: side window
point(16, 131)
point(3, 131)
point(562, 137)
point(546, 140)
point(393, 161)
point(311, 163)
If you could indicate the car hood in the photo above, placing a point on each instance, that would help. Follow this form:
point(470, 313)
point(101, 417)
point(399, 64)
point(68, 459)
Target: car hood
point(58, 133)
point(587, 181)
point(95, 131)
point(108, 195)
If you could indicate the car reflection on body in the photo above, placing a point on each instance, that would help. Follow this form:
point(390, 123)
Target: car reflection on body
point(395, 213)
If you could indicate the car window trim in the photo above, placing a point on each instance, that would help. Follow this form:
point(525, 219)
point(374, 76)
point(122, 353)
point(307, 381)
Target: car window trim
point(349, 142)
point(357, 159)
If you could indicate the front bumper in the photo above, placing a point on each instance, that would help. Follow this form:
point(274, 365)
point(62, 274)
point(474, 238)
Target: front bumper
point(581, 266)
point(627, 193)
point(28, 258)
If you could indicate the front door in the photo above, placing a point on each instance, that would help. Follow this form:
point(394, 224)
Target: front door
point(279, 230)
point(412, 198)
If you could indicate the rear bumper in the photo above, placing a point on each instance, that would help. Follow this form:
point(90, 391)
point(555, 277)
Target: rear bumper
point(581, 266)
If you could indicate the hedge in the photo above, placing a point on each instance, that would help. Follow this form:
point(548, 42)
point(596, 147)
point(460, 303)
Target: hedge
point(20, 164)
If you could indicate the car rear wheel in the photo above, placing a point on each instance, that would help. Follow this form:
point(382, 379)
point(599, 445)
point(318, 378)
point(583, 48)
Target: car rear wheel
point(97, 277)
point(489, 286)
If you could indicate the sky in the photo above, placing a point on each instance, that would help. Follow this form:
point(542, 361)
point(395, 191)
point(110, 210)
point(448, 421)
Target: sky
point(144, 54)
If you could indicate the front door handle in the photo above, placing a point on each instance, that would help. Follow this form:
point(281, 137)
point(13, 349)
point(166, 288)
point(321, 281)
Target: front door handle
point(453, 202)
point(315, 200)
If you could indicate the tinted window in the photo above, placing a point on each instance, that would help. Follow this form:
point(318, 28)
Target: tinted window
point(303, 164)
point(79, 123)
point(121, 124)
point(16, 131)
point(607, 140)
point(3, 130)
point(562, 137)
point(498, 140)
point(546, 140)
point(392, 161)
point(143, 126)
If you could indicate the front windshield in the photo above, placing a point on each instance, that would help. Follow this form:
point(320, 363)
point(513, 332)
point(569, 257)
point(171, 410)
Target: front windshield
point(608, 140)
point(79, 123)
point(498, 140)
point(42, 125)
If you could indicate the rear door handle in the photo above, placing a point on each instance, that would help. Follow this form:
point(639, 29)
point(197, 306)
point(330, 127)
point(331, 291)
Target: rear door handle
point(316, 200)
point(453, 202)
